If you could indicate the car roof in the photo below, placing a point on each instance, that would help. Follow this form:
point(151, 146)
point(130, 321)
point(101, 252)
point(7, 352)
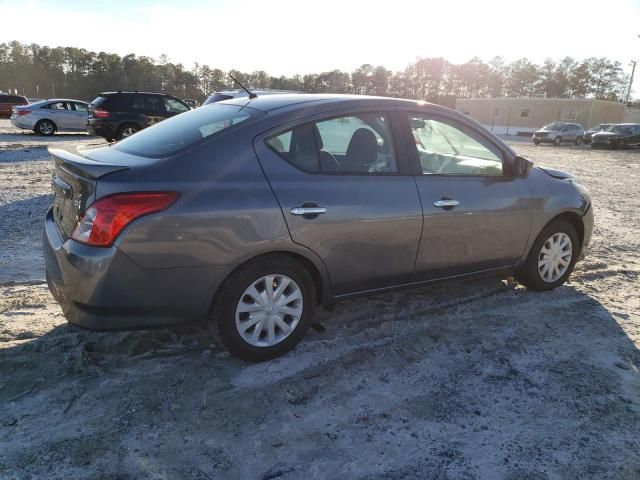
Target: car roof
point(62, 100)
point(130, 92)
point(273, 102)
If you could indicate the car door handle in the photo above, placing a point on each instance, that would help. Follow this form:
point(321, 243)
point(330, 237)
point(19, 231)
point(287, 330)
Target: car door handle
point(308, 210)
point(446, 203)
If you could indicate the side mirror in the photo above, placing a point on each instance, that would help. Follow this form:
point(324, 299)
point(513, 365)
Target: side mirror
point(521, 166)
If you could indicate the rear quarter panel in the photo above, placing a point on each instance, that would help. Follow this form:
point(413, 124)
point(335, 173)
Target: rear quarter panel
point(226, 212)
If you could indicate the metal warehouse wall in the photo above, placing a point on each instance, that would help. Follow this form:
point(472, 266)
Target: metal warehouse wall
point(512, 116)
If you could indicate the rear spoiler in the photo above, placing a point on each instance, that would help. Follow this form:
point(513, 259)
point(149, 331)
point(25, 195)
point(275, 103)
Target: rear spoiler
point(77, 164)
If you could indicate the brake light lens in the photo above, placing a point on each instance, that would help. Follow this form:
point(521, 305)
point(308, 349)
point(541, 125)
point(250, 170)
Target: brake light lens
point(22, 112)
point(105, 219)
point(99, 113)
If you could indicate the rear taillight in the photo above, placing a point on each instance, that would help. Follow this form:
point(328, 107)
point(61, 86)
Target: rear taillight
point(23, 112)
point(101, 113)
point(103, 221)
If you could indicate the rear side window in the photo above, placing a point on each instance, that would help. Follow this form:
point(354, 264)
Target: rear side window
point(355, 144)
point(182, 131)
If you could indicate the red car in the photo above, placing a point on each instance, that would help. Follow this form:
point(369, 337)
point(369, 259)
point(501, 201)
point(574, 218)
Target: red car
point(7, 102)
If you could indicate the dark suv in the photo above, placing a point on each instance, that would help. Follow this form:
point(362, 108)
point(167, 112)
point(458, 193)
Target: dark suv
point(116, 115)
point(7, 102)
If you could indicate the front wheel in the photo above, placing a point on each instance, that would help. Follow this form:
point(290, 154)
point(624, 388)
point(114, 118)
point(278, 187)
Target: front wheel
point(552, 257)
point(578, 141)
point(264, 308)
point(536, 142)
point(557, 141)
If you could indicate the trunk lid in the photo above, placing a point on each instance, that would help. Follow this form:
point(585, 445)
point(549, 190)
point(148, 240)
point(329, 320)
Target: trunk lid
point(74, 183)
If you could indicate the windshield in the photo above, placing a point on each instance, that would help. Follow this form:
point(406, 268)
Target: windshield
point(620, 129)
point(553, 126)
point(184, 130)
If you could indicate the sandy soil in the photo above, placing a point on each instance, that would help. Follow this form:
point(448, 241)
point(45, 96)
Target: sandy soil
point(476, 380)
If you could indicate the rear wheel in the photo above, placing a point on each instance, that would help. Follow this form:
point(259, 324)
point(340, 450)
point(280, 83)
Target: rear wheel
point(127, 130)
point(578, 141)
point(45, 127)
point(536, 142)
point(264, 308)
point(552, 257)
point(557, 141)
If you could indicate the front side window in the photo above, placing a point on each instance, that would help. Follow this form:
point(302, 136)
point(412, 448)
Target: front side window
point(355, 144)
point(174, 106)
point(444, 149)
point(181, 131)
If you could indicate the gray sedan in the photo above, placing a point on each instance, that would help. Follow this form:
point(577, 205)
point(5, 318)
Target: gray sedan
point(252, 213)
point(49, 116)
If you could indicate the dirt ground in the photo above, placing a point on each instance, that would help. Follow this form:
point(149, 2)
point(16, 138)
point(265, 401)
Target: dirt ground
point(476, 380)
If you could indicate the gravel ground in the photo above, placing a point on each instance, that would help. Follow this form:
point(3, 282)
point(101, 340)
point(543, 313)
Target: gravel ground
point(473, 380)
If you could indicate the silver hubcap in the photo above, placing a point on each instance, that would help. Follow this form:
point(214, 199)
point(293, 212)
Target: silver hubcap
point(269, 310)
point(555, 257)
point(46, 128)
point(127, 132)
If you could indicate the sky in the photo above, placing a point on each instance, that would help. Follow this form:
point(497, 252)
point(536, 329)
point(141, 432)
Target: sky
point(285, 37)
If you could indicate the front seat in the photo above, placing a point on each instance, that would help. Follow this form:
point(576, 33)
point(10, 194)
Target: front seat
point(362, 151)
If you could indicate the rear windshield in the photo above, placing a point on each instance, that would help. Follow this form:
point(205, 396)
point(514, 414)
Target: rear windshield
point(170, 136)
point(217, 97)
point(99, 101)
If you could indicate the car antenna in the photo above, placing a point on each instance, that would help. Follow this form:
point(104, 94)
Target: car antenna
point(251, 94)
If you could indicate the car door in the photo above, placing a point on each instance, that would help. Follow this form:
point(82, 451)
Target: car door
point(476, 216)
point(62, 115)
point(347, 194)
point(79, 115)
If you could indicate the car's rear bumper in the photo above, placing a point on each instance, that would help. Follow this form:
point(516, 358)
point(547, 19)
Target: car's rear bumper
point(103, 289)
point(101, 129)
point(20, 122)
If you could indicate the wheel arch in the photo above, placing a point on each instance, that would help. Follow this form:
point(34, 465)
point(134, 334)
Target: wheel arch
point(45, 119)
point(318, 273)
point(574, 219)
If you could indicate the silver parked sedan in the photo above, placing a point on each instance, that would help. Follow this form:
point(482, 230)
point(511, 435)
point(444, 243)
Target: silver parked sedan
point(252, 212)
point(49, 116)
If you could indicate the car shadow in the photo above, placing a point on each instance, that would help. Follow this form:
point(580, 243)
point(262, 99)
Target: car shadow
point(482, 370)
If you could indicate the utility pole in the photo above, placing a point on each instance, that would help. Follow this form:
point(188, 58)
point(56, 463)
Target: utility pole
point(633, 71)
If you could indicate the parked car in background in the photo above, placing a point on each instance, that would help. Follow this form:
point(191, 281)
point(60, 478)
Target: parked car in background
point(256, 211)
point(117, 115)
point(49, 116)
point(621, 135)
point(7, 102)
point(240, 93)
point(559, 132)
point(601, 127)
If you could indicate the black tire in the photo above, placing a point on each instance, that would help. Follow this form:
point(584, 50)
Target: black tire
point(624, 145)
point(536, 142)
point(126, 130)
point(528, 274)
point(557, 141)
point(578, 141)
point(45, 127)
point(224, 308)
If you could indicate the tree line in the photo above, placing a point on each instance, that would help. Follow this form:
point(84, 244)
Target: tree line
point(46, 72)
